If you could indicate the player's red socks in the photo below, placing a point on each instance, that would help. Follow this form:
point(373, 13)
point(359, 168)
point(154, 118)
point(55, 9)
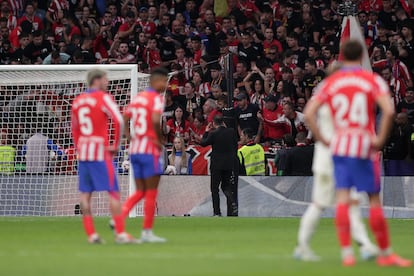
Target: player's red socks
point(88, 225)
point(149, 208)
point(379, 227)
point(119, 224)
point(342, 225)
point(131, 202)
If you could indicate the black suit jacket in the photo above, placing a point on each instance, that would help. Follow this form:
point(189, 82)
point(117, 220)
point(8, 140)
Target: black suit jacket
point(299, 161)
point(224, 147)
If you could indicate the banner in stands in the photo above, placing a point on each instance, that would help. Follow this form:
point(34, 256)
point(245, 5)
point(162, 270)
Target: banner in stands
point(201, 160)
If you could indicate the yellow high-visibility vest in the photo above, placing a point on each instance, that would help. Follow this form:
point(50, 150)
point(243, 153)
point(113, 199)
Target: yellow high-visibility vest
point(7, 154)
point(252, 157)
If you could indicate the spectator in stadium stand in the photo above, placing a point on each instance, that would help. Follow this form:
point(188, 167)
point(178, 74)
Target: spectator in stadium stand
point(251, 156)
point(193, 100)
point(7, 13)
point(293, 120)
point(407, 105)
point(246, 51)
point(228, 112)
point(197, 129)
point(312, 77)
point(328, 54)
point(170, 105)
point(179, 161)
point(148, 27)
point(210, 110)
point(38, 49)
point(300, 104)
point(299, 158)
point(272, 133)
point(37, 152)
point(30, 16)
point(54, 7)
point(399, 69)
point(240, 74)
point(120, 51)
point(246, 115)
point(177, 126)
point(299, 54)
point(152, 54)
point(24, 40)
point(223, 155)
point(254, 84)
point(202, 86)
point(397, 90)
point(56, 58)
point(217, 77)
point(397, 149)
point(314, 52)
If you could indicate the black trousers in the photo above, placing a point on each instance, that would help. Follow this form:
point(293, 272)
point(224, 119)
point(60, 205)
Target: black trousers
point(222, 178)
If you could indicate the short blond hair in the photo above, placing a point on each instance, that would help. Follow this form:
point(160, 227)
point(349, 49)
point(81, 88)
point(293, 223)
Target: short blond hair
point(94, 74)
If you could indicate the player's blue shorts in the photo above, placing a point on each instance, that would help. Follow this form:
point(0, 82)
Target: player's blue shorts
point(97, 176)
point(363, 174)
point(146, 165)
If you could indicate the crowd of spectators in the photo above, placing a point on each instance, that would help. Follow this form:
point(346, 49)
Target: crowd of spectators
point(279, 51)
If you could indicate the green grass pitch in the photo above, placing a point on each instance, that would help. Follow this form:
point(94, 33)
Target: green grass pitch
point(196, 246)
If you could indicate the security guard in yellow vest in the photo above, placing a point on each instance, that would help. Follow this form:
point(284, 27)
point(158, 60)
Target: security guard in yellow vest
point(251, 155)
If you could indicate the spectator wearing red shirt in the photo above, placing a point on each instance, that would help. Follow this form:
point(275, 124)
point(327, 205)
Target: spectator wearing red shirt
point(196, 48)
point(197, 130)
point(72, 29)
point(249, 9)
point(271, 41)
point(120, 51)
point(127, 29)
point(54, 8)
point(177, 126)
point(210, 110)
point(6, 13)
point(148, 27)
point(31, 17)
point(272, 111)
point(102, 44)
point(232, 41)
point(58, 28)
point(152, 54)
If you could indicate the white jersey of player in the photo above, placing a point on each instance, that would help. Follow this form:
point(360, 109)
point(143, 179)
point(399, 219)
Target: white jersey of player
point(322, 157)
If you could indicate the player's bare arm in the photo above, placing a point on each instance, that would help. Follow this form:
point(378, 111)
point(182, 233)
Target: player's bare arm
point(310, 118)
point(387, 115)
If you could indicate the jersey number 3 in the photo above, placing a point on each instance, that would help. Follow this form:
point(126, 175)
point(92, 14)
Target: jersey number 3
point(139, 121)
point(352, 111)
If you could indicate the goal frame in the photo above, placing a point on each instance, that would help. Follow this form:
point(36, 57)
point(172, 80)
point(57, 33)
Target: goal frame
point(134, 75)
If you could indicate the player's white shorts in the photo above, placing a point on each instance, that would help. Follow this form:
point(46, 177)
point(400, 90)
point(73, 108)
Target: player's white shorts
point(323, 190)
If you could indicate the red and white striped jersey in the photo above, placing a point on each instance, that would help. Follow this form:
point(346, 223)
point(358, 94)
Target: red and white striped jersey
point(143, 132)
point(16, 7)
point(57, 5)
point(351, 94)
point(91, 112)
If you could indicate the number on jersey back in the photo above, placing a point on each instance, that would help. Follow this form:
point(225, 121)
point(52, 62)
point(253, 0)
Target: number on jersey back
point(351, 96)
point(140, 111)
point(91, 112)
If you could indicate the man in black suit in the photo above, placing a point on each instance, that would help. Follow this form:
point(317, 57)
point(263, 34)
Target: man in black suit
point(299, 158)
point(224, 151)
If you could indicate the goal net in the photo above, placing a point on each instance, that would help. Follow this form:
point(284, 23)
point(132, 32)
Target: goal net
point(38, 162)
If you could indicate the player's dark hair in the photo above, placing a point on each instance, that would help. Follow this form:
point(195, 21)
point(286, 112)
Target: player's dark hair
point(159, 72)
point(352, 50)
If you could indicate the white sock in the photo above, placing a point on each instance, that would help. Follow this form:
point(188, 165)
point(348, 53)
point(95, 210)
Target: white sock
point(358, 229)
point(308, 223)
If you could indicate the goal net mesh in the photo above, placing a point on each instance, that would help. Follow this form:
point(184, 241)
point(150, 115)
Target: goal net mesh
point(39, 180)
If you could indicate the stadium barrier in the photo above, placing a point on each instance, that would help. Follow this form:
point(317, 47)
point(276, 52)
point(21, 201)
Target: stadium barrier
point(266, 196)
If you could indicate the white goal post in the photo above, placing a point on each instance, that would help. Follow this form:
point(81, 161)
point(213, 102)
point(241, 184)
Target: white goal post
point(37, 158)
